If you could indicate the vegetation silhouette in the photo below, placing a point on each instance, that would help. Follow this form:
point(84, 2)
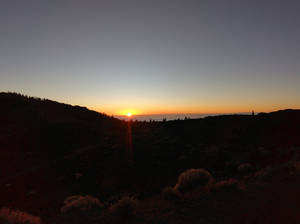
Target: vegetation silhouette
point(218, 169)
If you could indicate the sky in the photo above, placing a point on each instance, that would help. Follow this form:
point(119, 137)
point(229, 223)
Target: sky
point(150, 57)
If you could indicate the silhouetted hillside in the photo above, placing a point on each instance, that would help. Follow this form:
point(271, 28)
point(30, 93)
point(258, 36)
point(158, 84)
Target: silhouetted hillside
point(216, 169)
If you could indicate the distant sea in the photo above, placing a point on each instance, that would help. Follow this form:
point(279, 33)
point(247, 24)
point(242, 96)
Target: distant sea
point(160, 117)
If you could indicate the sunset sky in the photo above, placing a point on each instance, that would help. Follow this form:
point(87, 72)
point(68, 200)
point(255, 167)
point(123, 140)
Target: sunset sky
point(176, 56)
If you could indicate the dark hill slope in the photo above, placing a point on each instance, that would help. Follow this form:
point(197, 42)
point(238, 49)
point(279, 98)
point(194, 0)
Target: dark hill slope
point(38, 136)
point(51, 126)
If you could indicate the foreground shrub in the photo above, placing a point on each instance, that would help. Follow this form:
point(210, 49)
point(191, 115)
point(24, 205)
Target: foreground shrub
point(192, 179)
point(230, 185)
point(294, 167)
point(81, 210)
point(125, 207)
point(170, 193)
point(81, 203)
point(245, 168)
point(9, 216)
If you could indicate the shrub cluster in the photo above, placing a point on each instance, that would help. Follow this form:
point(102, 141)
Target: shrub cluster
point(170, 193)
point(9, 216)
point(230, 185)
point(196, 183)
point(245, 168)
point(81, 203)
point(124, 207)
point(193, 178)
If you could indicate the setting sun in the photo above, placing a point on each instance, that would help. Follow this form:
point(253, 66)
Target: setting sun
point(129, 112)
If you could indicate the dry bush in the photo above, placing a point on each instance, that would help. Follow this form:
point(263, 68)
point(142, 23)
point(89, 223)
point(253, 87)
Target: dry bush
point(169, 193)
point(245, 168)
point(81, 210)
point(9, 216)
point(125, 207)
point(262, 173)
point(230, 185)
point(275, 172)
point(80, 203)
point(193, 178)
point(294, 167)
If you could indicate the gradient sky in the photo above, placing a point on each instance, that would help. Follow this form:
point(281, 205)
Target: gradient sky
point(175, 56)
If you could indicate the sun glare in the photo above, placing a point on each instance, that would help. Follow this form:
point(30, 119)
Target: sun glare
point(129, 112)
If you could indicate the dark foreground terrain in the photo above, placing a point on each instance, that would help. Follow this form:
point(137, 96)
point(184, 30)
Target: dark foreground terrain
point(66, 164)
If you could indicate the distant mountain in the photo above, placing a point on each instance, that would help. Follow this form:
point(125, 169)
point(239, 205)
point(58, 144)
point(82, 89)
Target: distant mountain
point(25, 107)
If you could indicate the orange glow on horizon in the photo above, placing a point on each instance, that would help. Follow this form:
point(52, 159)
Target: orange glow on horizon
point(128, 112)
point(209, 109)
